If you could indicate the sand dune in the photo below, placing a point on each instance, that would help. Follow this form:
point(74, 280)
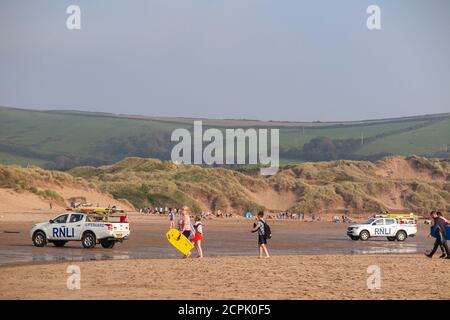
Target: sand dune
point(12, 201)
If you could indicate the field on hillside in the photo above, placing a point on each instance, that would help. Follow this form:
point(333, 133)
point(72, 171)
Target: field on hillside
point(423, 140)
point(65, 139)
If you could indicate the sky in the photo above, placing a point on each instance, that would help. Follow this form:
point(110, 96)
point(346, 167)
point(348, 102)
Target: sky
point(242, 59)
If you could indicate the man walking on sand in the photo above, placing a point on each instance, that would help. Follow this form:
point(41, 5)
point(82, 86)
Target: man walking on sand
point(441, 237)
point(258, 226)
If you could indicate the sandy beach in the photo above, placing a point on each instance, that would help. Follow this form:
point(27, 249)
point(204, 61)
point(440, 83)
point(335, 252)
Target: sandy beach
point(309, 261)
point(283, 277)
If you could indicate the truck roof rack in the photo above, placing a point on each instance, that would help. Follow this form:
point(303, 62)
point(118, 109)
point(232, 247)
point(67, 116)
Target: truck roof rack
point(396, 215)
point(96, 210)
point(99, 213)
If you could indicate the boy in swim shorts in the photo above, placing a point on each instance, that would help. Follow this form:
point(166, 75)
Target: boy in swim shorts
point(258, 227)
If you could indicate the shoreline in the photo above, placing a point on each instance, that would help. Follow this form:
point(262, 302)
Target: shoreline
point(88, 260)
point(223, 238)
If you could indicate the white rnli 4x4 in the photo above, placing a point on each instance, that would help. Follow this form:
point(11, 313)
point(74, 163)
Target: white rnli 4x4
point(391, 228)
point(75, 226)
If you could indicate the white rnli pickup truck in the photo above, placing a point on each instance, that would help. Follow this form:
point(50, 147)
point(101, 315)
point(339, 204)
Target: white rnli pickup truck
point(75, 226)
point(391, 228)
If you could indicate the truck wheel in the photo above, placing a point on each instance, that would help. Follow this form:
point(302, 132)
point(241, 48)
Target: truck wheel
point(364, 235)
point(88, 240)
point(355, 238)
point(59, 243)
point(391, 238)
point(401, 235)
point(39, 239)
point(107, 244)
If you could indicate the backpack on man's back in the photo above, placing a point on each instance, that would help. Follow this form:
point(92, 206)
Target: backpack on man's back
point(267, 231)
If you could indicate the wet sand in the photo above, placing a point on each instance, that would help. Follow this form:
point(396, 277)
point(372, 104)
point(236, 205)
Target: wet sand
point(223, 237)
point(283, 277)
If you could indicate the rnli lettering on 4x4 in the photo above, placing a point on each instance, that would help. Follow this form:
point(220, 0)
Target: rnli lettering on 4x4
point(393, 227)
point(383, 231)
point(79, 226)
point(64, 232)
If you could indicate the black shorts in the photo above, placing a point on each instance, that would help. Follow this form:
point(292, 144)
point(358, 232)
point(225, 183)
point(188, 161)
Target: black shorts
point(262, 239)
point(187, 233)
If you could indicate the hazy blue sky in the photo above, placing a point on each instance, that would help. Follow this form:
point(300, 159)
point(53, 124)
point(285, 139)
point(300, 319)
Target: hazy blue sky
point(279, 59)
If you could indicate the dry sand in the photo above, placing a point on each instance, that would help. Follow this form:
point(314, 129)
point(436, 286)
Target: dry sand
point(284, 277)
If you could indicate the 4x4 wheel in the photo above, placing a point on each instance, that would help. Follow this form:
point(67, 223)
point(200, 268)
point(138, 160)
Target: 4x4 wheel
point(401, 235)
point(364, 235)
point(59, 243)
point(39, 239)
point(88, 240)
point(107, 244)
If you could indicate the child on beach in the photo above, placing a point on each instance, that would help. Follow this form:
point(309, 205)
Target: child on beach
point(198, 226)
point(172, 217)
point(258, 226)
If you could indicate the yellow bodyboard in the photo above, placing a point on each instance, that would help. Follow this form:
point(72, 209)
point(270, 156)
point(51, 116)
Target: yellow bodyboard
point(179, 241)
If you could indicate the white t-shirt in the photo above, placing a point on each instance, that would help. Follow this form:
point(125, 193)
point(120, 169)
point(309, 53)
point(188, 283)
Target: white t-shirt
point(199, 227)
point(261, 227)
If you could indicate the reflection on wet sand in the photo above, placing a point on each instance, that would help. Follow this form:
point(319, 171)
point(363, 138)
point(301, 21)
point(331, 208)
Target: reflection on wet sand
point(222, 238)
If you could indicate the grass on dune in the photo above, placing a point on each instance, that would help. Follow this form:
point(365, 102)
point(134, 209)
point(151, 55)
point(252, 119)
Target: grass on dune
point(317, 187)
point(37, 181)
point(321, 186)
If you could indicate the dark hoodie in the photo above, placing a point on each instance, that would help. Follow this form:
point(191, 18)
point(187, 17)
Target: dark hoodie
point(440, 225)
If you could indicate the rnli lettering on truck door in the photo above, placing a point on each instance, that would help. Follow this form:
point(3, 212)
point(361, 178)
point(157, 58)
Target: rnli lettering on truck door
point(382, 231)
point(63, 232)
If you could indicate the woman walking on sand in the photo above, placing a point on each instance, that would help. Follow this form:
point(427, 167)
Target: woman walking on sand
point(185, 222)
point(198, 236)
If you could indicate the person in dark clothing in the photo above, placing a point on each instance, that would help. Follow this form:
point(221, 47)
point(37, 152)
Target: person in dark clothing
point(441, 237)
point(440, 216)
point(258, 226)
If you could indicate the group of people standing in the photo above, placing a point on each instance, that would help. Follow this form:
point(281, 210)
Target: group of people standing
point(160, 210)
point(194, 231)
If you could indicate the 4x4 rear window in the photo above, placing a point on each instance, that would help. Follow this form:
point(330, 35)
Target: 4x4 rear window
point(61, 219)
point(75, 218)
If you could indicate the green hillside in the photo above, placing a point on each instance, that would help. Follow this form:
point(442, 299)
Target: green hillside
point(65, 139)
point(426, 141)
